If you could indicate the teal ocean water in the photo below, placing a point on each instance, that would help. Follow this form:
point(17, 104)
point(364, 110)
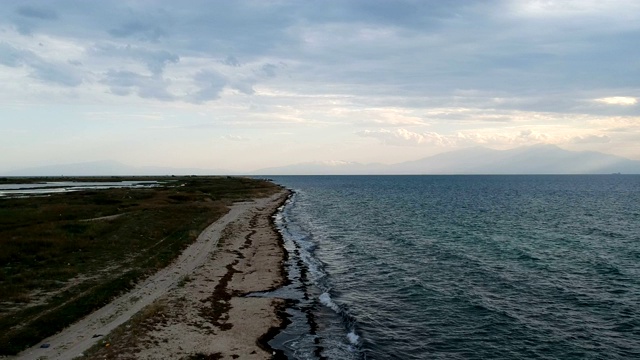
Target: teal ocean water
point(462, 267)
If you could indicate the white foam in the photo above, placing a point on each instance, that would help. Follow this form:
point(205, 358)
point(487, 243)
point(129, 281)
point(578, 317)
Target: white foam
point(353, 337)
point(325, 299)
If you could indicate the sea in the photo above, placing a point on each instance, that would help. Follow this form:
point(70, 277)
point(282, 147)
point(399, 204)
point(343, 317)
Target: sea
point(461, 267)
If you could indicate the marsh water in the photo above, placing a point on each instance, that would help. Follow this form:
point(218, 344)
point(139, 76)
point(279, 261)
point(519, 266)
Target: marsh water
point(44, 188)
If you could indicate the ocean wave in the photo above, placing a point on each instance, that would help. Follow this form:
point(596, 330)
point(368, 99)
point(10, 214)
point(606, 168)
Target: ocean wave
point(336, 339)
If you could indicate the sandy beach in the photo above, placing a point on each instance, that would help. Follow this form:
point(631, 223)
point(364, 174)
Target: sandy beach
point(197, 307)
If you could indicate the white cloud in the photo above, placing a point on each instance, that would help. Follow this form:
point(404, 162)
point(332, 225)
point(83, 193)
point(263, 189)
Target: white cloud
point(235, 138)
point(506, 138)
point(403, 137)
point(618, 100)
point(578, 17)
point(591, 139)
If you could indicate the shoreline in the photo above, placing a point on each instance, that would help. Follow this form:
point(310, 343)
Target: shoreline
point(197, 307)
point(300, 301)
point(281, 308)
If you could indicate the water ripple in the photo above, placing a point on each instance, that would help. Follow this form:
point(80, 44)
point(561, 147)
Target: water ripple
point(472, 267)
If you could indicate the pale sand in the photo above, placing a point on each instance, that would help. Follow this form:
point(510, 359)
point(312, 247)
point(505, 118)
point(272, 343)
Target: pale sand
point(195, 308)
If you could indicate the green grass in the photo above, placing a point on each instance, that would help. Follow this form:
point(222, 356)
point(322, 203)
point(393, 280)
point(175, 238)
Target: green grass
point(55, 266)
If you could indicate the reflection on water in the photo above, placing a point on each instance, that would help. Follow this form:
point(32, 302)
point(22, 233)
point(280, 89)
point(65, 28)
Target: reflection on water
point(66, 186)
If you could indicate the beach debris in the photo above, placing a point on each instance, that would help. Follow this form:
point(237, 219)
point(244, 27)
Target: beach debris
point(45, 346)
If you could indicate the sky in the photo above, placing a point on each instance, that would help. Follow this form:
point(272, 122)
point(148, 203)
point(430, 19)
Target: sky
point(243, 85)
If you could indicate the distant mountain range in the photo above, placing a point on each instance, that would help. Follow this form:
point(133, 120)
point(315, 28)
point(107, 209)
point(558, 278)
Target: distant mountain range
point(325, 168)
point(536, 159)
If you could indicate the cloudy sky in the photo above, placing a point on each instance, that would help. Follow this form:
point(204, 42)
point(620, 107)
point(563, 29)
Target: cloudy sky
point(242, 85)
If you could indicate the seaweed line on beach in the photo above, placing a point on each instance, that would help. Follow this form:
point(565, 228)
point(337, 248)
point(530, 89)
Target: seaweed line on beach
point(307, 304)
point(263, 341)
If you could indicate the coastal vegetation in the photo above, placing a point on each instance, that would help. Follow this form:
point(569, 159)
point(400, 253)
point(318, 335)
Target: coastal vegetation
point(64, 255)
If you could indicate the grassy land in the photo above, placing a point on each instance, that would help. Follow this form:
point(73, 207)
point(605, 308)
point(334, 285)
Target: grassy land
point(59, 261)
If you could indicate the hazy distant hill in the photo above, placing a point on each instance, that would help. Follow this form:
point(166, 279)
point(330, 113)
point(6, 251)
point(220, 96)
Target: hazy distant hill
point(107, 168)
point(325, 167)
point(536, 159)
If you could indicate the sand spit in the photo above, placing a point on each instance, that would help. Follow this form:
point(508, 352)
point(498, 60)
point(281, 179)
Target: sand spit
point(195, 308)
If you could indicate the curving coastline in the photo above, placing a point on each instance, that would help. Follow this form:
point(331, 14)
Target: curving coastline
point(196, 308)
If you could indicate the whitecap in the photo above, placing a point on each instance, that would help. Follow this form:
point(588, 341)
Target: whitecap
point(325, 299)
point(353, 337)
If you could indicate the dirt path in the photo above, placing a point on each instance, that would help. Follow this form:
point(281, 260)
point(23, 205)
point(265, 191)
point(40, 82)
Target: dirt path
point(79, 337)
